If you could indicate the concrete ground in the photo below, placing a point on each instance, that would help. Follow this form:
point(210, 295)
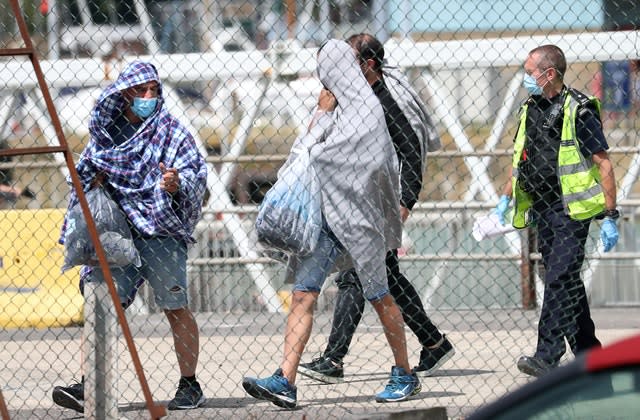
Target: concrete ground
point(487, 345)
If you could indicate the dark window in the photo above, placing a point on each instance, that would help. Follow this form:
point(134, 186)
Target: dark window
point(621, 15)
point(70, 13)
point(102, 12)
point(126, 12)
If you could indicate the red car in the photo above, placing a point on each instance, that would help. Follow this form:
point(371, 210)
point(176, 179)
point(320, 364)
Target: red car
point(602, 383)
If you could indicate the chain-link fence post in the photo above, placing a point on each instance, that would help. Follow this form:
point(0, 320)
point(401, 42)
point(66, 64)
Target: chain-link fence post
point(100, 350)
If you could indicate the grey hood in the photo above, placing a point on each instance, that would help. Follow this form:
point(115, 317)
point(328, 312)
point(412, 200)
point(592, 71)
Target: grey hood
point(356, 165)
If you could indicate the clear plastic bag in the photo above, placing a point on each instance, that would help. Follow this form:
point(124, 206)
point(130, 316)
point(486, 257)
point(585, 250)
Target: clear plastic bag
point(290, 216)
point(113, 230)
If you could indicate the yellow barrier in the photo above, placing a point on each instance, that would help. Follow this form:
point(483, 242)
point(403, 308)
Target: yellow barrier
point(33, 291)
point(285, 298)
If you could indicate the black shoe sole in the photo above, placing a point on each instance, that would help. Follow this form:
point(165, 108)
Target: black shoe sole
point(528, 369)
point(63, 399)
point(321, 377)
point(417, 390)
point(429, 372)
point(261, 393)
point(187, 407)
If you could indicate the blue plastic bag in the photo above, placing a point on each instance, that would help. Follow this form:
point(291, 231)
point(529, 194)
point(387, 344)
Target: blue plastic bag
point(290, 216)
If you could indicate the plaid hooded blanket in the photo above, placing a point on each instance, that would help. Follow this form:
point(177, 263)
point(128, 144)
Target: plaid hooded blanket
point(132, 168)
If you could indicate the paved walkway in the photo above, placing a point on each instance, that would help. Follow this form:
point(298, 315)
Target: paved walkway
point(235, 345)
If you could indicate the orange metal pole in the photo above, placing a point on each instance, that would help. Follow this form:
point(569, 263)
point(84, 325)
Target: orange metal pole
point(3, 408)
point(291, 17)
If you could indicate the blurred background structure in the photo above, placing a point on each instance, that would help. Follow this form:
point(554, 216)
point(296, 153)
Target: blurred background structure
point(240, 73)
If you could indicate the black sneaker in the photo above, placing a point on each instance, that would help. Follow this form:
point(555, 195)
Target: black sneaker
point(432, 359)
point(323, 369)
point(188, 396)
point(70, 396)
point(534, 366)
point(27, 193)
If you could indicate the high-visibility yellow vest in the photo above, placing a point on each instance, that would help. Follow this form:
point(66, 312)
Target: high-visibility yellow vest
point(582, 194)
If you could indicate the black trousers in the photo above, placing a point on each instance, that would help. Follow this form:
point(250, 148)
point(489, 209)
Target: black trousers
point(350, 306)
point(565, 310)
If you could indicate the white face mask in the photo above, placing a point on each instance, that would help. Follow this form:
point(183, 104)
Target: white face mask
point(531, 84)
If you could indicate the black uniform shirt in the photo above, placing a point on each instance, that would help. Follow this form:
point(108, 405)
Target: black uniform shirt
point(544, 130)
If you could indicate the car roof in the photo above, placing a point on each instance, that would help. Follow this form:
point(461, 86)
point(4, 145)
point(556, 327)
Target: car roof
point(619, 354)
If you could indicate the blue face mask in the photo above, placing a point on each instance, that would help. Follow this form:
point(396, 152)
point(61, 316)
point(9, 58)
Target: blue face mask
point(143, 108)
point(530, 84)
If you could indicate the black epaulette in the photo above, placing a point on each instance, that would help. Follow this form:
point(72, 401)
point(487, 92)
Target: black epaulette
point(583, 100)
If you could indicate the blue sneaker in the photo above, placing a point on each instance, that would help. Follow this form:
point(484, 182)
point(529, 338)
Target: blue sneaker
point(401, 386)
point(275, 388)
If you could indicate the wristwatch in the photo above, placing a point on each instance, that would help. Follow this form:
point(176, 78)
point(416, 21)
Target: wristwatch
point(611, 214)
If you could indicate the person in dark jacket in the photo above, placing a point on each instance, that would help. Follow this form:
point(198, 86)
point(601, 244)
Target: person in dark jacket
point(561, 179)
point(413, 135)
point(352, 157)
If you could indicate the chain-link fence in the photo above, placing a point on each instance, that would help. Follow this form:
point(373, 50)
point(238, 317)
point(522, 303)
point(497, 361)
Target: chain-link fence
point(243, 78)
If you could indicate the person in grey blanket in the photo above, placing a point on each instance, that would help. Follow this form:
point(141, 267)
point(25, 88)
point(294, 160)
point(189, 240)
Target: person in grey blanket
point(357, 168)
point(413, 134)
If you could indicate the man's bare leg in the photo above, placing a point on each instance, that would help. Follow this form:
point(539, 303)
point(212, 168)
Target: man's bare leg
point(393, 324)
point(298, 331)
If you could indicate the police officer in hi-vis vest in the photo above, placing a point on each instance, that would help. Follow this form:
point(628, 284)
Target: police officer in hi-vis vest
point(561, 179)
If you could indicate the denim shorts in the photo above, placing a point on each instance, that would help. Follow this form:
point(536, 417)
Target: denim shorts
point(164, 266)
point(312, 270)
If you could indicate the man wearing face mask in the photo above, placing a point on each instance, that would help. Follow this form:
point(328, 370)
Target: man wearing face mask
point(149, 163)
point(560, 179)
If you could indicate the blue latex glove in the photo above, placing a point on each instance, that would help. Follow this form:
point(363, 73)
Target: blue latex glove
point(609, 234)
point(502, 207)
